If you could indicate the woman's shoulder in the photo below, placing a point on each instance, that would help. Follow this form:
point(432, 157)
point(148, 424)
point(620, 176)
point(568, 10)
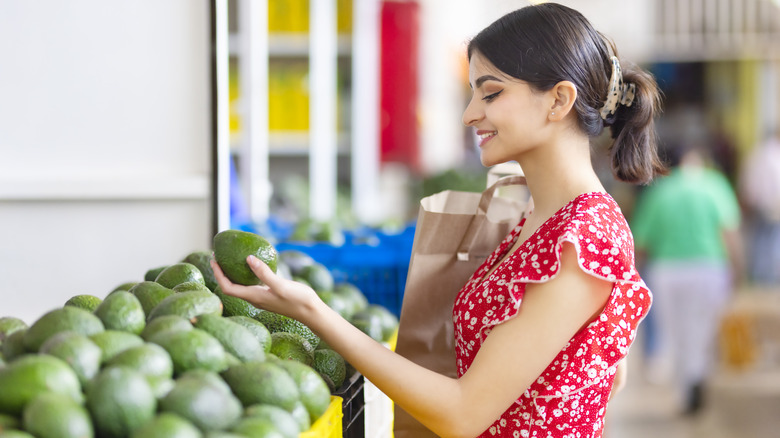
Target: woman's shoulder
point(595, 225)
point(593, 212)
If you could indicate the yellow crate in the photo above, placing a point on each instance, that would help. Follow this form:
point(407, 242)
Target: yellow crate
point(329, 424)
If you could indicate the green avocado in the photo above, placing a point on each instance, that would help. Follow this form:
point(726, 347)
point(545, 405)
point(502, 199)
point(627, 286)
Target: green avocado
point(262, 382)
point(66, 318)
point(232, 247)
point(188, 305)
point(120, 401)
point(235, 338)
point(52, 415)
point(30, 375)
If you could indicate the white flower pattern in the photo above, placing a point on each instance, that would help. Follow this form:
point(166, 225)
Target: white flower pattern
point(569, 399)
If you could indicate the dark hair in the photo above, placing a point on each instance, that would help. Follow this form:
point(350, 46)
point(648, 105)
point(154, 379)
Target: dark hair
point(548, 43)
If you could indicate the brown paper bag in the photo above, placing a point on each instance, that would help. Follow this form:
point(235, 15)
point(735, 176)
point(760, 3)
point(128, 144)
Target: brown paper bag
point(456, 231)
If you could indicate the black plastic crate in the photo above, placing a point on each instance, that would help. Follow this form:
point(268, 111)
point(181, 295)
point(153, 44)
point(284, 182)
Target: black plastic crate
point(353, 409)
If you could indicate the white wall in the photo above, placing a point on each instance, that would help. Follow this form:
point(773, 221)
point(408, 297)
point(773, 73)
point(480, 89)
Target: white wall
point(104, 145)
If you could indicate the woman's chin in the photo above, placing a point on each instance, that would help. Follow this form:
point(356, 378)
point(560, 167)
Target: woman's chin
point(487, 161)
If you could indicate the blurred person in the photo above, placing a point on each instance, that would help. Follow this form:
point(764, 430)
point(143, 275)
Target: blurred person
point(543, 327)
point(759, 186)
point(686, 231)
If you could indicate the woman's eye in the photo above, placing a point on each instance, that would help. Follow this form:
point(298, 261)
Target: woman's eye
point(490, 97)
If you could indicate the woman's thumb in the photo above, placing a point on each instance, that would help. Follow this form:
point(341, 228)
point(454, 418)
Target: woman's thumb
point(262, 270)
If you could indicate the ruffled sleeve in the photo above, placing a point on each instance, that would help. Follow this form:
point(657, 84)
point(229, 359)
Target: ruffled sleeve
point(596, 227)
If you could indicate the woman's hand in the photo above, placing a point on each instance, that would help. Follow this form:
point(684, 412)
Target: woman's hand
point(277, 294)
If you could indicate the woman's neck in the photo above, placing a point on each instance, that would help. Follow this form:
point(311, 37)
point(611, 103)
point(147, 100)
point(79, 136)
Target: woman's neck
point(558, 172)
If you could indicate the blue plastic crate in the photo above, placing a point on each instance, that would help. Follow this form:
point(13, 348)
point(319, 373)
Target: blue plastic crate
point(377, 264)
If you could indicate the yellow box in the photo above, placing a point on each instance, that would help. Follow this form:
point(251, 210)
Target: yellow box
point(329, 424)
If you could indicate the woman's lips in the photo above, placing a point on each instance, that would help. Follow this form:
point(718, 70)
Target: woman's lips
point(485, 136)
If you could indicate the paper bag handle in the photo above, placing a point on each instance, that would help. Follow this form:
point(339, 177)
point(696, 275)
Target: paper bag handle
point(479, 218)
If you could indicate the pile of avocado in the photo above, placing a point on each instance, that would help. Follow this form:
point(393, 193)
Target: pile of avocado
point(172, 356)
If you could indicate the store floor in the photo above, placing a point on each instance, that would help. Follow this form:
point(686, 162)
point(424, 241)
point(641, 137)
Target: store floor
point(647, 410)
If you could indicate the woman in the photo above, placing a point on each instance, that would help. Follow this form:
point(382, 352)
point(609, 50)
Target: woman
point(542, 325)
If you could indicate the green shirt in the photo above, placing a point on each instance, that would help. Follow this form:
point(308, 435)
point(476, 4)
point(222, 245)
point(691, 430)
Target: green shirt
point(683, 216)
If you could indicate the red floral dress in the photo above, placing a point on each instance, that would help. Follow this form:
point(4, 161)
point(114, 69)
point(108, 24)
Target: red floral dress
point(569, 399)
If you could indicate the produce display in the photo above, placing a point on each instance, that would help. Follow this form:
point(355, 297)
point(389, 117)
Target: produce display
point(172, 356)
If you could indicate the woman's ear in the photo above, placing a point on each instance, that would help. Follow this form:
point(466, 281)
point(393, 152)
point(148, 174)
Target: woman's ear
point(564, 94)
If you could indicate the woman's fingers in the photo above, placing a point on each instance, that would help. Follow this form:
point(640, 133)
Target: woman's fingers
point(222, 280)
point(225, 284)
point(262, 271)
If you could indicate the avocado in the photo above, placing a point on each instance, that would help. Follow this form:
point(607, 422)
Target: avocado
point(52, 415)
point(27, 376)
point(295, 260)
point(256, 328)
point(281, 419)
point(329, 363)
point(15, 434)
point(262, 382)
point(314, 392)
point(152, 273)
point(200, 374)
point(152, 361)
point(232, 247)
point(376, 321)
point(191, 285)
point(9, 422)
point(318, 276)
point(192, 349)
point(292, 346)
point(202, 261)
point(78, 351)
point(10, 324)
point(275, 322)
point(122, 311)
point(206, 405)
point(387, 319)
point(235, 338)
point(353, 294)
point(165, 323)
point(220, 434)
point(13, 346)
point(149, 294)
point(124, 286)
point(120, 401)
point(188, 305)
point(66, 318)
point(113, 342)
point(301, 415)
point(178, 273)
point(339, 303)
point(256, 427)
point(232, 306)
point(167, 425)
point(85, 301)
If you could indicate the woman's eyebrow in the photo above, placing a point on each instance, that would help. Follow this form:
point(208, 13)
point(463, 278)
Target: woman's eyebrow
point(481, 80)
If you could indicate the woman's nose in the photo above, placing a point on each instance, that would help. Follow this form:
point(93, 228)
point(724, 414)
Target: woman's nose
point(472, 114)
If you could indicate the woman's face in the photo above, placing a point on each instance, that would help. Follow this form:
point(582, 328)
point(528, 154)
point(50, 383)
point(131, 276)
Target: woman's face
point(507, 114)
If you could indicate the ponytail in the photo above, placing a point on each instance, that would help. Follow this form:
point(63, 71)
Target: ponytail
point(634, 153)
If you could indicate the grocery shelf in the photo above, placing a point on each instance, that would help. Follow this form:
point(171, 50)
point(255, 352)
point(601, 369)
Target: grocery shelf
point(296, 144)
point(295, 45)
point(328, 41)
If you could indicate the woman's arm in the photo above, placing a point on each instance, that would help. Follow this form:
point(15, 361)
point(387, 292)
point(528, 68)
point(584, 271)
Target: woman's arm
point(510, 359)
point(621, 376)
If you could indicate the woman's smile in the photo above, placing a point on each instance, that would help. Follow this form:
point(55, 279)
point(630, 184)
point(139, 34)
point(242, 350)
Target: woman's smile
point(485, 136)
